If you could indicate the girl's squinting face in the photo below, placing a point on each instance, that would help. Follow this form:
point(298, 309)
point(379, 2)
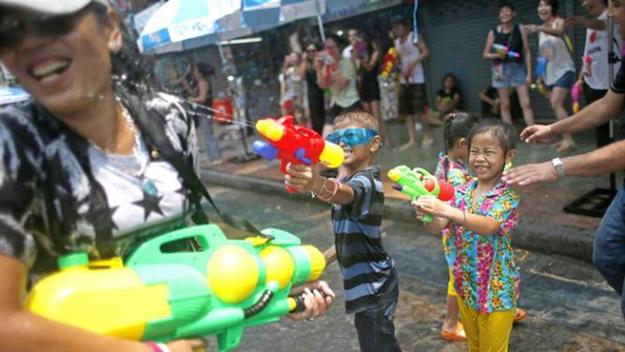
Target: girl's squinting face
point(544, 11)
point(486, 157)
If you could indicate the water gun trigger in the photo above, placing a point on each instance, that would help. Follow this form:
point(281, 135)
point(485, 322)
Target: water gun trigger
point(300, 154)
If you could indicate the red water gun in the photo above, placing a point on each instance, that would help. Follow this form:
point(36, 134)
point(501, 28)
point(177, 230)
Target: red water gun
point(388, 62)
point(295, 144)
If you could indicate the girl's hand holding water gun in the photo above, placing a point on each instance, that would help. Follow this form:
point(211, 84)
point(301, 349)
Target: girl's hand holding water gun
point(430, 205)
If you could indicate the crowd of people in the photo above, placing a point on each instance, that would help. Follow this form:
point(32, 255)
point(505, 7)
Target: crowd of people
point(83, 165)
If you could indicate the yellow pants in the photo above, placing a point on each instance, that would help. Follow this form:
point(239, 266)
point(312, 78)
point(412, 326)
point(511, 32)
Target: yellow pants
point(486, 332)
point(451, 291)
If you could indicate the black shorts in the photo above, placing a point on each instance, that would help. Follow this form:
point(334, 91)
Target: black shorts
point(336, 110)
point(370, 89)
point(412, 99)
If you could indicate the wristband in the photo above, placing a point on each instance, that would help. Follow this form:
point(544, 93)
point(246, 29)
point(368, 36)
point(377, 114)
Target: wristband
point(158, 347)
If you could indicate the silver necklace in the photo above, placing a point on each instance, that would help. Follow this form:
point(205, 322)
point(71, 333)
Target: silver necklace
point(131, 165)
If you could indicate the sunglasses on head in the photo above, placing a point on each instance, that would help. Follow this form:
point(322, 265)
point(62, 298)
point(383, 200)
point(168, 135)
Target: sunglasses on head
point(352, 136)
point(14, 25)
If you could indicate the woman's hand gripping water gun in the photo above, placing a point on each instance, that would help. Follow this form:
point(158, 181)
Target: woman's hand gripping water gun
point(295, 144)
point(419, 182)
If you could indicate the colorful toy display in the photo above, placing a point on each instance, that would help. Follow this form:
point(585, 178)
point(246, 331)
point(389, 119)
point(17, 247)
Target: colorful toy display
point(505, 51)
point(419, 182)
point(295, 144)
point(219, 288)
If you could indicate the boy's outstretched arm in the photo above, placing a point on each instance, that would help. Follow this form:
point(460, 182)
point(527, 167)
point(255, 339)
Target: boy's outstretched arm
point(304, 179)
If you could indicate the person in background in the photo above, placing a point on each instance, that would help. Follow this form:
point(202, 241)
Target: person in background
point(293, 100)
point(78, 171)
point(559, 75)
point(339, 75)
point(202, 75)
point(413, 96)
point(315, 95)
point(510, 72)
point(595, 60)
point(367, 58)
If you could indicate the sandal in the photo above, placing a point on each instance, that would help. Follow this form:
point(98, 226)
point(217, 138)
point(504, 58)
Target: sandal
point(519, 315)
point(452, 336)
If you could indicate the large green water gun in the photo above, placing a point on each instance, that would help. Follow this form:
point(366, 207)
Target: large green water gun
point(219, 288)
point(419, 182)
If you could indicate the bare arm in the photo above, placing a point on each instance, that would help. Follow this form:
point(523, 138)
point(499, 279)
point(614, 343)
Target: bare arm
point(596, 114)
point(488, 52)
point(481, 225)
point(581, 21)
point(23, 331)
point(202, 95)
point(598, 162)
point(527, 53)
point(487, 99)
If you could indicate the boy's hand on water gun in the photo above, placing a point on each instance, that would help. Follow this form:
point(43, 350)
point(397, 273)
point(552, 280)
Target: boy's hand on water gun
point(537, 134)
point(318, 297)
point(302, 178)
point(431, 205)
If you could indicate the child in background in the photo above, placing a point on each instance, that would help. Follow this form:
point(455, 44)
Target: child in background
point(448, 97)
point(481, 220)
point(369, 275)
point(452, 169)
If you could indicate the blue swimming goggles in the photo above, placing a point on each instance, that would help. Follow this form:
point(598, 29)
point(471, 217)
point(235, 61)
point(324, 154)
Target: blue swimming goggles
point(352, 136)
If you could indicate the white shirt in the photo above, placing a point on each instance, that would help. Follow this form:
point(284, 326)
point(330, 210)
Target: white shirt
point(347, 52)
point(128, 195)
point(555, 50)
point(596, 75)
point(409, 52)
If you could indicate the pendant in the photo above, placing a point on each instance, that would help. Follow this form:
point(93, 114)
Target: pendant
point(150, 188)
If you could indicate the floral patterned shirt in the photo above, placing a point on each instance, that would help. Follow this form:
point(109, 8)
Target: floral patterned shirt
point(483, 267)
point(457, 175)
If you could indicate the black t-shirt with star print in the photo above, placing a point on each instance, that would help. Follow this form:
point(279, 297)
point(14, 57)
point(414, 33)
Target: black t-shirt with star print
point(48, 174)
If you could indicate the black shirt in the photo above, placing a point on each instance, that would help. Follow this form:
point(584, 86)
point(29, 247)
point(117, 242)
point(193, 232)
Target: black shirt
point(512, 40)
point(618, 85)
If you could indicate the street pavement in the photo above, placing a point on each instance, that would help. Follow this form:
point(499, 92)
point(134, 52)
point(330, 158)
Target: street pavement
point(569, 306)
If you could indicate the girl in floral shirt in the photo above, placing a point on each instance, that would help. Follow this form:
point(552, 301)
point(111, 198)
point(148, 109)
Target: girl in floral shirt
point(481, 220)
point(452, 169)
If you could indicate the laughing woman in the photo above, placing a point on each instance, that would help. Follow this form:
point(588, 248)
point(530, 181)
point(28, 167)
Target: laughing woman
point(76, 168)
point(559, 74)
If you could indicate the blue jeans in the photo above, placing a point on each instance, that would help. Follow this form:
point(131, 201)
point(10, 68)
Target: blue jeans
point(376, 331)
point(609, 246)
point(211, 144)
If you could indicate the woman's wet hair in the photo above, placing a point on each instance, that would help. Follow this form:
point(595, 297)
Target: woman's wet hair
point(503, 132)
point(130, 70)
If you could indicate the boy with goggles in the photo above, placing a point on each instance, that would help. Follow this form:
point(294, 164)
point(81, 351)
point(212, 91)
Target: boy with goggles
point(369, 275)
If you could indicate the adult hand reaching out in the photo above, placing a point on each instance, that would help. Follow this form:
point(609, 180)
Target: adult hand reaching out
point(528, 174)
point(537, 134)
